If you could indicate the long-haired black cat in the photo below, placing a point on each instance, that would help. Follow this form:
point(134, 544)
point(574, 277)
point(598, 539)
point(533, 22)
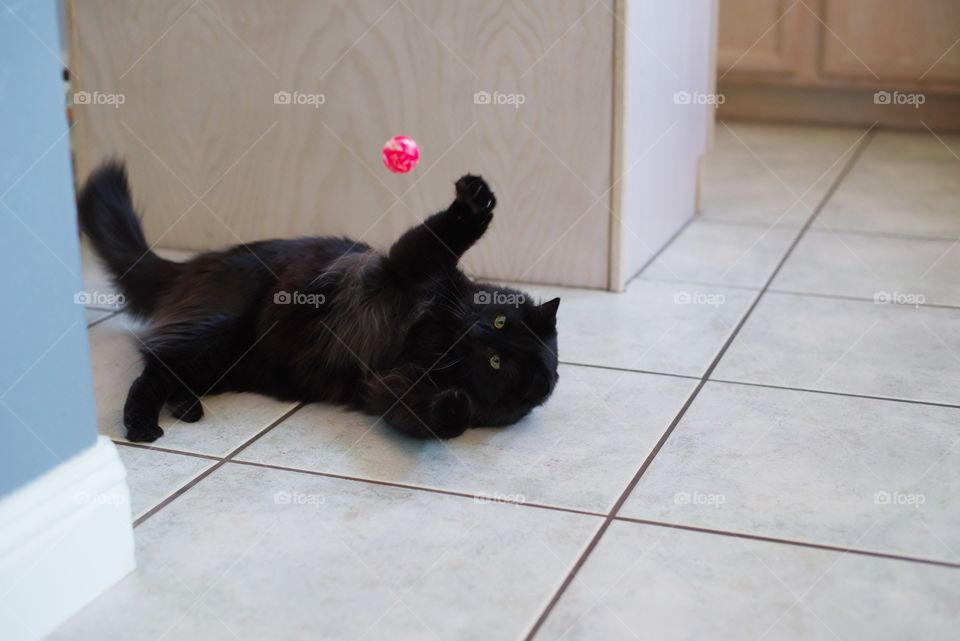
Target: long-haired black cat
point(405, 335)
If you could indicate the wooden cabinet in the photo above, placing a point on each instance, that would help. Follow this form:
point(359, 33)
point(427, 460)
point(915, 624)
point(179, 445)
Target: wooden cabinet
point(825, 60)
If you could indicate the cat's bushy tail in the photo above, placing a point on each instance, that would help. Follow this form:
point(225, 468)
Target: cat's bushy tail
point(108, 219)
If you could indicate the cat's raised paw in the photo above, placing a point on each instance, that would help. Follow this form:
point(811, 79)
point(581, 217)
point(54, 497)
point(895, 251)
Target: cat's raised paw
point(476, 194)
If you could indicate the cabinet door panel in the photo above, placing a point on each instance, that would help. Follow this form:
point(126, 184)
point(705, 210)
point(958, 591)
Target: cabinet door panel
point(759, 36)
point(895, 40)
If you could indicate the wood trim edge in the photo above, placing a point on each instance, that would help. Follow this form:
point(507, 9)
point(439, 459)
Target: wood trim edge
point(615, 281)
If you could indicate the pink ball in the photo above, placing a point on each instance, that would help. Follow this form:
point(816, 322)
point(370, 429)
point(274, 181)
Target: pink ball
point(400, 154)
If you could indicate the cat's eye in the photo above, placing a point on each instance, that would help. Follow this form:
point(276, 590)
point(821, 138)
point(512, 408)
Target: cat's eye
point(495, 361)
point(500, 321)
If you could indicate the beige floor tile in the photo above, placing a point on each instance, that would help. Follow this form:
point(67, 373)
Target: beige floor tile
point(849, 472)
point(580, 450)
point(646, 582)
point(254, 553)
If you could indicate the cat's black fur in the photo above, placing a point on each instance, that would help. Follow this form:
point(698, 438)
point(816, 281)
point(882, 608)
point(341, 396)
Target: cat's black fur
point(404, 335)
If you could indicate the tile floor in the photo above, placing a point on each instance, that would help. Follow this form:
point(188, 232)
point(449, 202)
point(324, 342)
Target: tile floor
point(758, 440)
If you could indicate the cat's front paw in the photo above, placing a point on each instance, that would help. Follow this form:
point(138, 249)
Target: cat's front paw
point(475, 193)
point(450, 413)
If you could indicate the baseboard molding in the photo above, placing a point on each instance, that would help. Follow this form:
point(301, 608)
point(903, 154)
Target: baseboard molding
point(64, 539)
point(835, 106)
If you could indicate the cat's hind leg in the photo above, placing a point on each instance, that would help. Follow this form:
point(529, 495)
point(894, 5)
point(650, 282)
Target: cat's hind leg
point(141, 412)
point(184, 359)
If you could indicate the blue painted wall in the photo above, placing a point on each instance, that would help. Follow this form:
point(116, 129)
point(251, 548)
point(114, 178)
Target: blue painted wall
point(46, 393)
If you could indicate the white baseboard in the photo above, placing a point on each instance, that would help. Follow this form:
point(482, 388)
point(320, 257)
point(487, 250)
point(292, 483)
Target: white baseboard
point(64, 538)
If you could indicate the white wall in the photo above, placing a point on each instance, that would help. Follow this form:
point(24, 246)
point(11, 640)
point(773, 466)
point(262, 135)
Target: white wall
point(668, 47)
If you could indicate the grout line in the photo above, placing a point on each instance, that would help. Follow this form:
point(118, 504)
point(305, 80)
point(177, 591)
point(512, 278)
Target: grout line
point(732, 222)
point(543, 506)
point(627, 369)
point(166, 450)
point(809, 390)
point(791, 292)
point(421, 488)
point(213, 468)
point(860, 299)
point(723, 381)
point(884, 234)
point(793, 542)
point(770, 290)
point(105, 318)
point(703, 283)
point(838, 230)
point(177, 493)
point(851, 161)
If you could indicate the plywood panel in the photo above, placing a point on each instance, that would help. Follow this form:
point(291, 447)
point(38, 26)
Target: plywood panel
point(199, 120)
point(892, 40)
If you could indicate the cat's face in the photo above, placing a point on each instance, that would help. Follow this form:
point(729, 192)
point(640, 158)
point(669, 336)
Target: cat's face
point(509, 360)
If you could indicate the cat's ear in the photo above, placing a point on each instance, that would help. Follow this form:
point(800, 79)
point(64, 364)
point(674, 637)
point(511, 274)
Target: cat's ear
point(549, 308)
point(547, 316)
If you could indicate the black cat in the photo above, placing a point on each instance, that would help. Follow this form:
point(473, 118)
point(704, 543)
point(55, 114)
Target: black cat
point(404, 335)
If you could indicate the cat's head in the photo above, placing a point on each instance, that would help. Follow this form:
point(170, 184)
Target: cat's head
point(508, 357)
